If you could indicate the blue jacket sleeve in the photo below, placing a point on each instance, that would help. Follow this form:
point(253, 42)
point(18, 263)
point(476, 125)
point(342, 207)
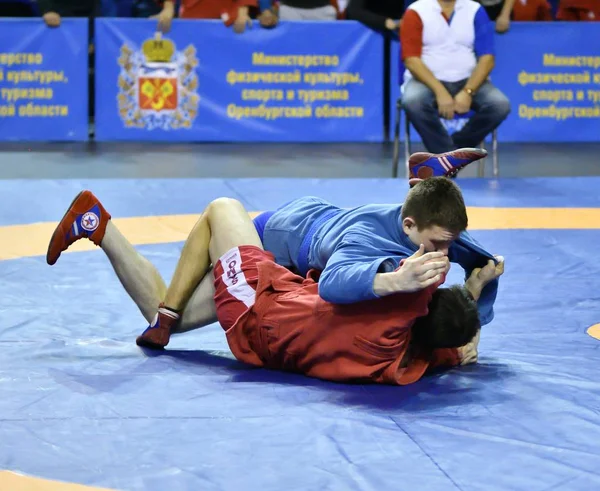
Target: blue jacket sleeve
point(469, 254)
point(349, 274)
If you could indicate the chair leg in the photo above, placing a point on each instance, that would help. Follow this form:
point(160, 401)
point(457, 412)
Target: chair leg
point(496, 169)
point(396, 159)
point(407, 145)
point(481, 165)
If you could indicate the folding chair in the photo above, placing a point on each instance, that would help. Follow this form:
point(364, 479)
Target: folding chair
point(454, 125)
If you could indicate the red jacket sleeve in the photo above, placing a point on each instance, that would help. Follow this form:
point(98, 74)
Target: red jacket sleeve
point(411, 35)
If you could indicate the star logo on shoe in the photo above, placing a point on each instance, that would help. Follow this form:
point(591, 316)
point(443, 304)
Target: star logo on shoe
point(90, 221)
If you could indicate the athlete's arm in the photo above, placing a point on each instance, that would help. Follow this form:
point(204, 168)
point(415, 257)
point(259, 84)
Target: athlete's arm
point(470, 255)
point(356, 272)
point(350, 273)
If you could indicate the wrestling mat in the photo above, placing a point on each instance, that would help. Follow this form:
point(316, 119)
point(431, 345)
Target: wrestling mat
point(81, 403)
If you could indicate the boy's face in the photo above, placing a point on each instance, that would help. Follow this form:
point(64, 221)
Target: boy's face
point(434, 238)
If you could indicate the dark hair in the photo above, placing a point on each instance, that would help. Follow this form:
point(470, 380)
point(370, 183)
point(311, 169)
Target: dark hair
point(452, 320)
point(436, 201)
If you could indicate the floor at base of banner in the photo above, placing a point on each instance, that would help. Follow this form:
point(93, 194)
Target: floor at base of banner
point(320, 160)
point(80, 402)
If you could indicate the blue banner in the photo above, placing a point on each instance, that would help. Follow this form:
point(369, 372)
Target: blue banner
point(43, 80)
point(552, 79)
point(305, 81)
point(551, 74)
point(396, 80)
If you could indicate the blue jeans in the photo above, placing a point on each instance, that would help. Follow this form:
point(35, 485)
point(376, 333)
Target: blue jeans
point(491, 107)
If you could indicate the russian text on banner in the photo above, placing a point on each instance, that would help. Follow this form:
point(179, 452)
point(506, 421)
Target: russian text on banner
point(43, 80)
point(551, 74)
point(305, 81)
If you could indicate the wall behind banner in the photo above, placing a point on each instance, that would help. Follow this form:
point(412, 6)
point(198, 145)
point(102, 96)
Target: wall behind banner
point(292, 83)
point(550, 71)
point(299, 82)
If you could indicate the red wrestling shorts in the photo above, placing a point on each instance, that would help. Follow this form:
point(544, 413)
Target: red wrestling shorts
point(236, 279)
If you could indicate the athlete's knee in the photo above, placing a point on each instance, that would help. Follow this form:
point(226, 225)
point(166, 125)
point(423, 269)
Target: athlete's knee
point(222, 205)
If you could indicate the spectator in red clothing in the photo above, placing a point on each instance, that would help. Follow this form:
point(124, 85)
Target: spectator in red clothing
point(448, 50)
point(532, 10)
point(587, 10)
point(232, 12)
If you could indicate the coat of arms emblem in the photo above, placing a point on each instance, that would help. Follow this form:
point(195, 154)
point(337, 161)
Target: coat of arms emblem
point(158, 85)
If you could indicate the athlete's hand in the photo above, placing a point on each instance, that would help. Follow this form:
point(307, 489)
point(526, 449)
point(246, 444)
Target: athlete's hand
point(421, 270)
point(480, 277)
point(468, 352)
point(489, 272)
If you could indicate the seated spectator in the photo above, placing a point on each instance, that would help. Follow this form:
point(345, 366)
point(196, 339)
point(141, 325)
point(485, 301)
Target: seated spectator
point(532, 10)
point(381, 16)
point(448, 65)
point(499, 11)
point(587, 10)
point(234, 13)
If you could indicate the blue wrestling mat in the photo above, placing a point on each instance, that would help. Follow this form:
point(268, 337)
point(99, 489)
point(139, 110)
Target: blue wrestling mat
point(80, 402)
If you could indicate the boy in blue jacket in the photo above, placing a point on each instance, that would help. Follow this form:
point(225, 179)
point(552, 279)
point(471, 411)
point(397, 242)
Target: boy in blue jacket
point(359, 249)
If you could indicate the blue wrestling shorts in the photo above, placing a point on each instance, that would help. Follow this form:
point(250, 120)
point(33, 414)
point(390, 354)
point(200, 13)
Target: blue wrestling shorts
point(260, 221)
